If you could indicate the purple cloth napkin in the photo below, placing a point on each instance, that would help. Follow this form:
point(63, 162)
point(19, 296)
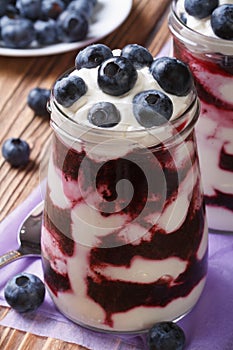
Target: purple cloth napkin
point(209, 326)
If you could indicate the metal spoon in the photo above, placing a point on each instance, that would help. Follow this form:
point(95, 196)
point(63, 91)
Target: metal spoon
point(29, 236)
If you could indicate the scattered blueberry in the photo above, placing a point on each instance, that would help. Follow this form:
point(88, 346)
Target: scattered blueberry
point(92, 56)
point(37, 100)
point(16, 152)
point(24, 292)
point(104, 114)
point(72, 26)
point(166, 336)
point(138, 55)
point(172, 75)
point(152, 108)
point(46, 32)
point(199, 8)
point(18, 33)
point(222, 21)
point(116, 76)
point(68, 90)
point(29, 8)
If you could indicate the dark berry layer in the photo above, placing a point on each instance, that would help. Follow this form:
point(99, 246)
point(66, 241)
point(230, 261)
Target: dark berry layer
point(58, 222)
point(56, 282)
point(220, 199)
point(226, 160)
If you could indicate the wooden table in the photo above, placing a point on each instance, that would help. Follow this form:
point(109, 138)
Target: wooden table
point(146, 25)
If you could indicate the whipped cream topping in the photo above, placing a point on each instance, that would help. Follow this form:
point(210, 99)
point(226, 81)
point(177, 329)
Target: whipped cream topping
point(145, 81)
point(202, 26)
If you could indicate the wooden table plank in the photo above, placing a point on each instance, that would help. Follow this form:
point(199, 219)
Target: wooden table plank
point(146, 25)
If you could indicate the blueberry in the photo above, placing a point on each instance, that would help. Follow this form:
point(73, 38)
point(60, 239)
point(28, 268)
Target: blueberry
point(166, 336)
point(29, 8)
point(81, 6)
point(152, 108)
point(3, 7)
point(72, 26)
point(37, 100)
point(18, 33)
point(4, 20)
point(46, 32)
point(183, 17)
point(138, 55)
point(24, 292)
point(116, 76)
point(92, 56)
point(93, 2)
point(222, 21)
point(199, 8)
point(12, 11)
point(52, 8)
point(69, 89)
point(104, 115)
point(172, 75)
point(16, 152)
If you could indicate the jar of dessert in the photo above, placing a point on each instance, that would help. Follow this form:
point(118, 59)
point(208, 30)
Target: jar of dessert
point(203, 38)
point(124, 237)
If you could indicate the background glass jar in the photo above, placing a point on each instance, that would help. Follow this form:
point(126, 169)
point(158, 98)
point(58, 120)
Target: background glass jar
point(124, 238)
point(211, 62)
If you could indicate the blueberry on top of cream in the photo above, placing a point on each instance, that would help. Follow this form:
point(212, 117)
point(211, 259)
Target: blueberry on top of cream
point(138, 55)
point(222, 21)
point(124, 89)
point(199, 8)
point(152, 108)
point(69, 89)
point(116, 76)
point(104, 114)
point(92, 56)
point(172, 75)
point(210, 18)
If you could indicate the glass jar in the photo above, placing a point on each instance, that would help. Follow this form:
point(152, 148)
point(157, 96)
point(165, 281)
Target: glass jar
point(211, 62)
point(124, 237)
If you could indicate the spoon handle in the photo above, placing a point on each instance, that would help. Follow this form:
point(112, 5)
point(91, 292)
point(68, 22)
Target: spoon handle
point(9, 257)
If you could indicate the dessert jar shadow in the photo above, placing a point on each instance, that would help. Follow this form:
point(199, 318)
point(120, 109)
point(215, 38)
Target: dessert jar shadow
point(124, 237)
point(211, 62)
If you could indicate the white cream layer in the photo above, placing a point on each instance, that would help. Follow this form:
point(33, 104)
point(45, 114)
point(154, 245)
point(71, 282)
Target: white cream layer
point(145, 81)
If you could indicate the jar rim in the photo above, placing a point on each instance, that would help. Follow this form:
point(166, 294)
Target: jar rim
point(179, 125)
